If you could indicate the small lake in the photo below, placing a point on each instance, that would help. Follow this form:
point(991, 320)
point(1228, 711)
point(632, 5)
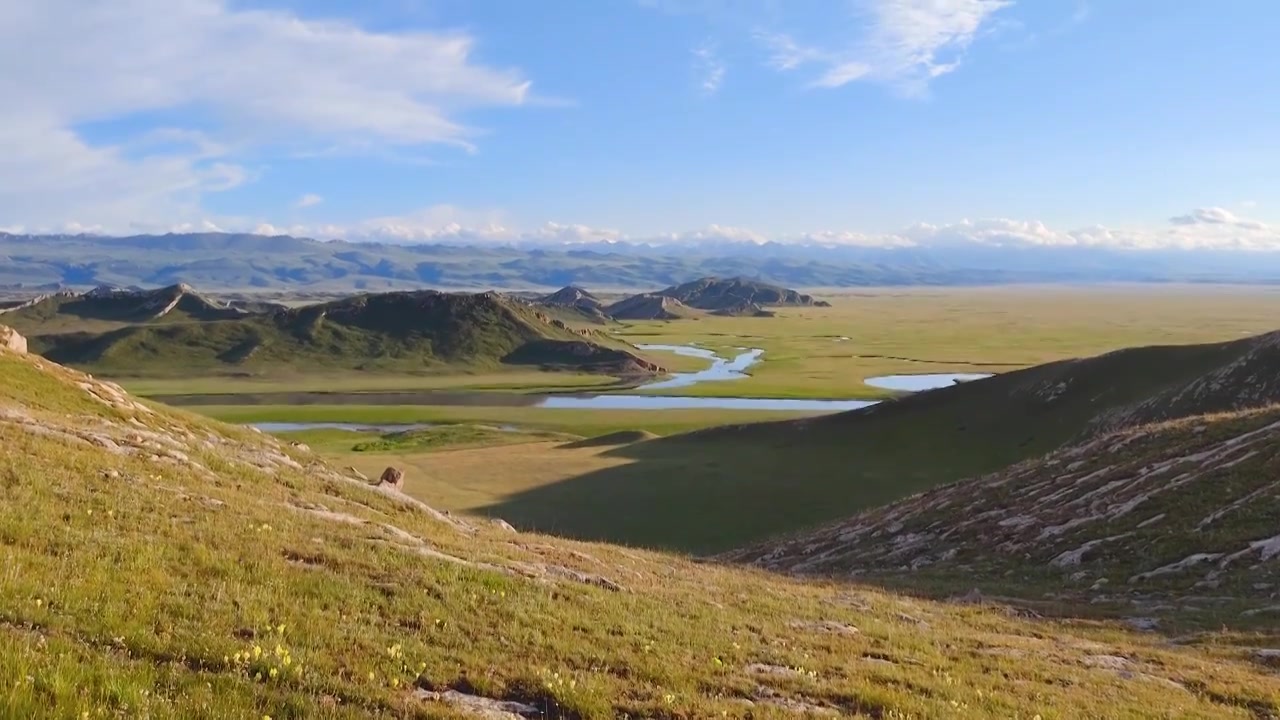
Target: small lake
point(918, 383)
point(735, 369)
point(286, 427)
point(279, 427)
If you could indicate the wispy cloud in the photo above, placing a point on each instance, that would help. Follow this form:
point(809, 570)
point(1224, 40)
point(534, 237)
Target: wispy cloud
point(709, 68)
point(308, 200)
point(902, 43)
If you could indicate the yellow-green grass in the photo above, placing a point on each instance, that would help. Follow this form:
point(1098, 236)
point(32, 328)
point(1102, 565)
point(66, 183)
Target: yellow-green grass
point(912, 330)
point(212, 587)
point(586, 423)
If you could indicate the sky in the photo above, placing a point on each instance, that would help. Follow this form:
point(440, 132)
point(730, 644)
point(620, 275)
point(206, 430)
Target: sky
point(879, 122)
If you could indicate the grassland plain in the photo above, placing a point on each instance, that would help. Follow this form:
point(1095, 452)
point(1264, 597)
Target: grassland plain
point(161, 565)
point(576, 422)
point(918, 330)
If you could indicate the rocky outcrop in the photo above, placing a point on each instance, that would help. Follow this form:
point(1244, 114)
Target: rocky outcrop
point(392, 477)
point(1154, 511)
point(13, 342)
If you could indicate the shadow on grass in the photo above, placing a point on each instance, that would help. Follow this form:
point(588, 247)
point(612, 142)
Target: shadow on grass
point(714, 490)
point(721, 488)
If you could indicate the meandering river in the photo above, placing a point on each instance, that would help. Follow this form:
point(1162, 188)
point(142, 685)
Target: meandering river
point(721, 369)
point(734, 368)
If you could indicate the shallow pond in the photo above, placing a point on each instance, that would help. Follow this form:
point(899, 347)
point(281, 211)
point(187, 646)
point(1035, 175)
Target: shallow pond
point(918, 383)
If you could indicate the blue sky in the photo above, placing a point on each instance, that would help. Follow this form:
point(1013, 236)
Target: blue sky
point(866, 121)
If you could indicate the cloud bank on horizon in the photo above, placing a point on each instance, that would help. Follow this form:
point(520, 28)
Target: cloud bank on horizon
point(752, 121)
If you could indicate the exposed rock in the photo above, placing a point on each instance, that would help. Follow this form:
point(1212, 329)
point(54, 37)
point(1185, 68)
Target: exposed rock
point(13, 342)
point(357, 474)
point(392, 477)
point(1142, 623)
point(1268, 657)
point(480, 707)
point(826, 626)
point(503, 525)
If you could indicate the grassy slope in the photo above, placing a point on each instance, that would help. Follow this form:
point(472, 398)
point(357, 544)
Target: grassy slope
point(158, 582)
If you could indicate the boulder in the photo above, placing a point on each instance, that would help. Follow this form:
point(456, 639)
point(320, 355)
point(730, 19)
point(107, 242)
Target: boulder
point(392, 477)
point(13, 342)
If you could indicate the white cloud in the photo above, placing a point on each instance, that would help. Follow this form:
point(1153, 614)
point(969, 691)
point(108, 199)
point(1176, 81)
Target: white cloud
point(709, 68)
point(903, 43)
point(1216, 216)
point(308, 200)
point(254, 79)
point(1201, 229)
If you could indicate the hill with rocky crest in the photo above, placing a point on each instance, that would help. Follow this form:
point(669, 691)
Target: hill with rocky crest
point(168, 566)
point(406, 331)
point(111, 308)
point(649, 306)
point(737, 295)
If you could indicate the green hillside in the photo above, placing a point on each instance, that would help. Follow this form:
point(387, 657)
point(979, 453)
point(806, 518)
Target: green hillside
point(163, 566)
point(412, 331)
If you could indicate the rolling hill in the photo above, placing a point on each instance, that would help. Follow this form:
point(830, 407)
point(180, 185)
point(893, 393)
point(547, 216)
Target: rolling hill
point(571, 296)
point(650, 306)
point(392, 331)
point(168, 566)
point(784, 476)
point(737, 295)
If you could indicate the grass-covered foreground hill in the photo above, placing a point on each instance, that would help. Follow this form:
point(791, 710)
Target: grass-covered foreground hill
point(162, 566)
point(408, 331)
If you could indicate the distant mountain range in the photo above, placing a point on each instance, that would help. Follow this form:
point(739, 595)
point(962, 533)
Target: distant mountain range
point(222, 262)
